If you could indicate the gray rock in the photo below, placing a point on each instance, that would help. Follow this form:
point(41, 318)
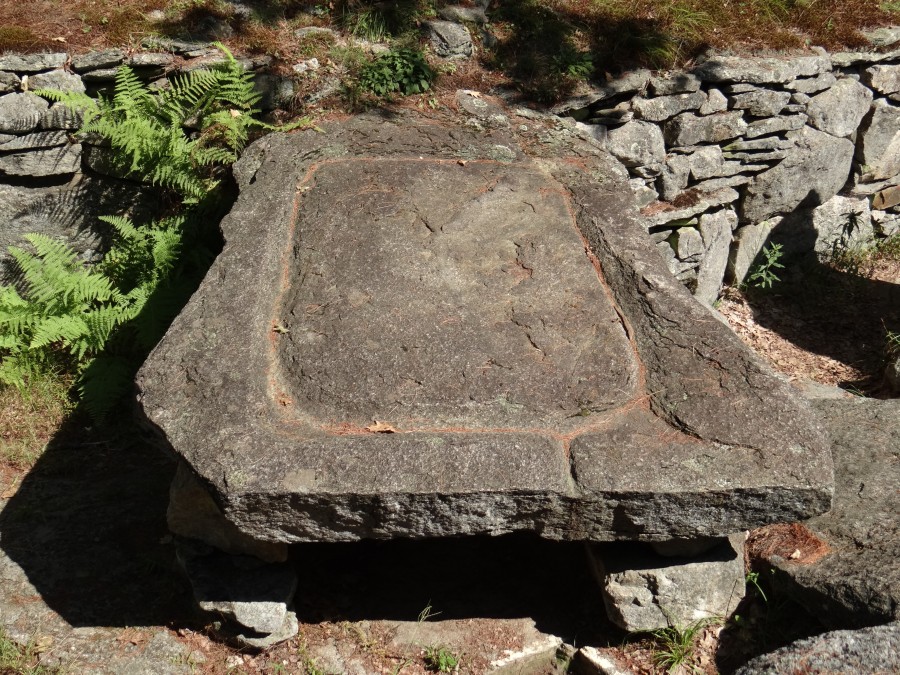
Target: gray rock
point(800, 98)
point(644, 591)
point(775, 125)
point(58, 80)
point(761, 102)
point(102, 75)
point(151, 60)
point(591, 661)
point(461, 14)
point(706, 162)
point(636, 144)
point(60, 116)
point(688, 129)
point(32, 63)
point(857, 583)
point(252, 594)
point(811, 174)
point(316, 31)
point(450, 40)
point(731, 168)
point(754, 156)
point(812, 85)
point(643, 193)
point(703, 202)
point(715, 453)
point(107, 58)
point(193, 514)
point(9, 82)
point(51, 162)
point(762, 70)
point(760, 144)
point(883, 36)
point(664, 107)
point(839, 110)
point(878, 144)
point(674, 177)
point(716, 102)
point(41, 139)
point(680, 270)
point(626, 84)
point(868, 651)
point(886, 198)
point(839, 224)
point(687, 244)
point(21, 113)
point(674, 83)
point(714, 184)
point(749, 242)
point(716, 229)
point(649, 172)
point(883, 79)
point(849, 59)
point(739, 88)
point(885, 224)
point(276, 91)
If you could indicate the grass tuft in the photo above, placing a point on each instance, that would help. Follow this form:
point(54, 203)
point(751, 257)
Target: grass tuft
point(29, 418)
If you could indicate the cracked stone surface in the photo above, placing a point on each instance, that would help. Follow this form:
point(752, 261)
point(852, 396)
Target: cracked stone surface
point(489, 302)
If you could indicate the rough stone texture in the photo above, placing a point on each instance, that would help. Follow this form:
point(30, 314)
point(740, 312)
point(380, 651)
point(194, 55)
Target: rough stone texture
point(460, 13)
point(591, 661)
point(59, 116)
point(107, 58)
point(878, 145)
point(706, 162)
point(688, 129)
point(688, 244)
point(9, 82)
point(674, 83)
point(715, 229)
point(154, 60)
point(32, 63)
point(703, 202)
point(839, 110)
point(673, 177)
point(812, 85)
point(41, 139)
point(193, 514)
point(434, 315)
point(868, 651)
point(643, 590)
point(811, 173)
point(629, 83)
point(716, 102)
point(636, 144)
point(774, 125)
point(892, 374)
point(749, 241)
point(59, 80)
point(858, 582)
point(839, 224)
point(450, 40)
point(252, 594)
point(883, 79)
point(21, 113)
point(664, 107)
point(50, 162)
point(757, 70)
point(761, 102)
point(68, 212)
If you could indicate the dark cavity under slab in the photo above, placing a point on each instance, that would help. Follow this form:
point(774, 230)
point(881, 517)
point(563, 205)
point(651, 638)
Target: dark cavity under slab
point(418, 330)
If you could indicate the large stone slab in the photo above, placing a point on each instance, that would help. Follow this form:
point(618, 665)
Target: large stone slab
point(858, 582)
point(416, 330)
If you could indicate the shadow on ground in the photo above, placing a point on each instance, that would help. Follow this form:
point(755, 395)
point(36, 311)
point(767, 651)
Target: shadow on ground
point(87, 526)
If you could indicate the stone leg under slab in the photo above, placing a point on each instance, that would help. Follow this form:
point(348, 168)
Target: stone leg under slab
point(251, 598)
point(674, 584)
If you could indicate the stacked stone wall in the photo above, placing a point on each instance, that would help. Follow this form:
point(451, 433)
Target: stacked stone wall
point(799, 150)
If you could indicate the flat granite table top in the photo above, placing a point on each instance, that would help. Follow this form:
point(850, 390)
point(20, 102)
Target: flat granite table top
point(425, 330)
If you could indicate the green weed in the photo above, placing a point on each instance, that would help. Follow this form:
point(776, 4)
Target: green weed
point(440, 659)
point(763, 275)
point(675, 645)
point(16, 660)
point(401, 70)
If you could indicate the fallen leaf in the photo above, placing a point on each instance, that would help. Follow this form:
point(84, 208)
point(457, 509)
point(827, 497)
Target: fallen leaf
point(381, 428)
point(59, 39)
point(796, 554)
point(461, 162)
point(235, 113)
point(278, 328)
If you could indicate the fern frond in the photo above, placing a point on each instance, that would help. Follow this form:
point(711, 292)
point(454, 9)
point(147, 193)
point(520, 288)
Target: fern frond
point(66, 329)
point(104, 383)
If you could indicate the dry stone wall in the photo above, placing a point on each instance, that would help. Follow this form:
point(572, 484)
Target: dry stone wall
point(740, 151)
point(56, 184)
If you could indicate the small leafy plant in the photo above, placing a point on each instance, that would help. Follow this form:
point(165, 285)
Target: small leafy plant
point(675, 645)
point(403, 70)
point(763, 274)
point(440, 659)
